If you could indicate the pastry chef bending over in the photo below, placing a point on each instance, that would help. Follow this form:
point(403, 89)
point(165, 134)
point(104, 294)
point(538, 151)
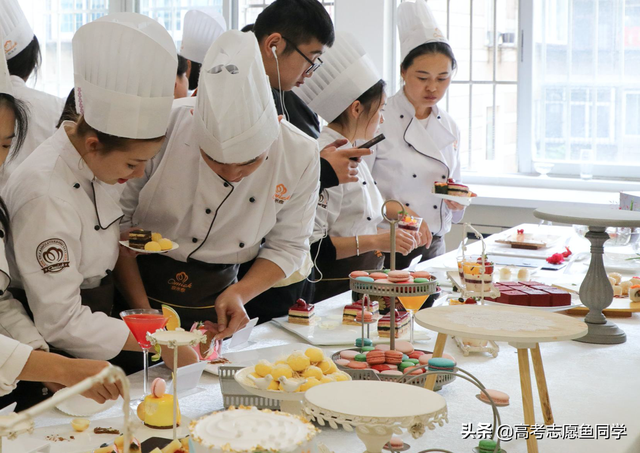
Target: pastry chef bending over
point(422, 144)
point(231, 184)
point(62, 201)
point(347, 92)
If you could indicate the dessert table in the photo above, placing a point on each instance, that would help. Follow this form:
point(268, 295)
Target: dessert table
point(590, 386)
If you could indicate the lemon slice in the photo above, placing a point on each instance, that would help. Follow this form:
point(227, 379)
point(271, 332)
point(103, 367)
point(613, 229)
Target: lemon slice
point(173, 318)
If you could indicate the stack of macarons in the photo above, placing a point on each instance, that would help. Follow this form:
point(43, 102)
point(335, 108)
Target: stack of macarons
point(397, 277)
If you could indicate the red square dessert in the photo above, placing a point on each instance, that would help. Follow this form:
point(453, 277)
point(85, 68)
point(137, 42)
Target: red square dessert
point(559, 297)
point(514, 298)
point(539, 298)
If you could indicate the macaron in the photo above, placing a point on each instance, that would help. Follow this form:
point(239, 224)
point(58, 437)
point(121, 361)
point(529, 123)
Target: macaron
point(375, 358)
point(365, 279)
point(414, 361)
point(396, 443)
point(422, 274)
point(357, 365)
point(416, 354)
point(487, 446)
point(348, 354)
point(441, 364)
point(361, 358)
point(360, 342)
point(356, 274)
point(404, 365)
point(158, 387)
point(391, 373)
point(368, 316)
point(393, 357)
point(405, 357)
point(417, 371)
point(367, 349)
point(404, 346)
point(383, 347)
point(398, 276)
point(384, 280)
point(421, 280)
point(499, 398)
point(382, 367)
point(378, 275)
point(342, 362)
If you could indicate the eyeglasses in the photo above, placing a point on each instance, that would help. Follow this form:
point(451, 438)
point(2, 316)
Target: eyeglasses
point(314, 65)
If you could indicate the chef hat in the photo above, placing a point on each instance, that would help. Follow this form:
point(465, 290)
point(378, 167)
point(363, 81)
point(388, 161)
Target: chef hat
point(346, 73)
point(14, 27)
point(416, 26)
point(235, 116)
point(5, 77)
point(201, 28)
point(125, 70)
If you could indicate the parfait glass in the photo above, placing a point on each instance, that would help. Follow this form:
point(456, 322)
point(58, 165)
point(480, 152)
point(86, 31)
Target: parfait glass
point(412, 304)
point(142, 321)
point(409, 222)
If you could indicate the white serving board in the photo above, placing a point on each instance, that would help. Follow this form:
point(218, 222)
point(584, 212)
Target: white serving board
point(251, 356)
point(464, 201)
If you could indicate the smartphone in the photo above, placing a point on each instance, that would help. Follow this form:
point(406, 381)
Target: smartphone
point(370, 143)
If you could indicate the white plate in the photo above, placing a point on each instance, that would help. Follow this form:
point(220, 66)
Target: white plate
point(550, 309)
point(464, 201)
point(126, 244)
point(251, 357)
point(79, 406)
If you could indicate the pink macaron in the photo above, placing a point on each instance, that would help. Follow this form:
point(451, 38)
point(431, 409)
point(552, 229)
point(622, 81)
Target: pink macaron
point(396, 443)
point(378, 275)
point(404, 346)
point(158, 387)
point(421, 274)
point(416, 354)
point(393, 357)
point(348, 354)
point(383, 347)
point(342, 362)
point(500, 398)
point(357, 365)
point(356, 274)
point(398, 276)
point(392, 373)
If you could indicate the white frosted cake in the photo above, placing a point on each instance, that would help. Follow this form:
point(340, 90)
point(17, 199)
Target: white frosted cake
point(249, 430)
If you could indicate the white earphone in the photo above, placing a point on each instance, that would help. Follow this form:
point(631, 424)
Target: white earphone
point(273, 50)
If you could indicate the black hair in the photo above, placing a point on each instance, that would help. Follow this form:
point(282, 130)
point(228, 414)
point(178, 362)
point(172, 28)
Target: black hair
point(69, 112)
point(110, 142)
point(370, 98)
point(430, 48)
point(298, 20)
point(194, 75)
point(27, 61)
point(21, 114)
point(247, 28)
point(182, 65)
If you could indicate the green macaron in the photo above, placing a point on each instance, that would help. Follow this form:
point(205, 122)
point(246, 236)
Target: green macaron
point(360, 342)
point(487, 446)
point(367, 348)
point(421, 280)
point(404, 365)
point(361, 358)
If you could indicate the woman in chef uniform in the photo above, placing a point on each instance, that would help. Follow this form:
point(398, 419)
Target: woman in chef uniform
point(347, 92)
point(230, 185)
point(422, 144)
point(22, 51)
point(23, 351)
point(62, 201)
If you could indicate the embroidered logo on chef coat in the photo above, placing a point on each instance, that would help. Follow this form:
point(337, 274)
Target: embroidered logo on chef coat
point(179, 283)
point(52, 255)
point(323, 199)
point(281, 194)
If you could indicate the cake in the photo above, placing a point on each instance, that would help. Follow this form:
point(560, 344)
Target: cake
point(532, 294)
point(458, 190)
point(139, 238)
point(301, 313)
point(156, 411)
point(350, 312)
point(248, 430)
point(478, 277)
point(441, 187)
point(402, 324)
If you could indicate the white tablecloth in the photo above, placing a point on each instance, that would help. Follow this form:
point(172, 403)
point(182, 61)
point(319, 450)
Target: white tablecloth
point(588, 384)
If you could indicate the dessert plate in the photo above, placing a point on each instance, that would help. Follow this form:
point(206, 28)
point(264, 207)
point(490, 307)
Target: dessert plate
point(79, 406)
point(464, 201)
point(250, 357)
point(126, 244)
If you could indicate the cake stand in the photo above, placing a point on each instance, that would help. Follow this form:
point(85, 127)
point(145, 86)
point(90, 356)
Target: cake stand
point(522, 328)
point(375, 409)
point(173, 339)
point(596, 292)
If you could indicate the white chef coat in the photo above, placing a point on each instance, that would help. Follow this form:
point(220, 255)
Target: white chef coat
point(215, 221)
point(64, 237)
point(406, 164)
point(348, 209)
point(44, 113)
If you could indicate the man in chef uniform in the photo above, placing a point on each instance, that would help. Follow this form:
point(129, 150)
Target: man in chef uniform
point(22, 51)
point(231, 184)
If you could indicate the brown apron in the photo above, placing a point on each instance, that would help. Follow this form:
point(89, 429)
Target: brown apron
point(335, 275)
point(190, 288)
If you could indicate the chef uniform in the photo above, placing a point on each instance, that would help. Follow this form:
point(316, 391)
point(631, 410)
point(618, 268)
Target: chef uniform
point(417, 153)
point(220, 224)
point(65, 222)
point(44, 109)
point(352, 209)
point(18, 336)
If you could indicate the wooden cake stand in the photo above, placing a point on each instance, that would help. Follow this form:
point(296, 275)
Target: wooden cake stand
point(596, 292)
point(522, 328)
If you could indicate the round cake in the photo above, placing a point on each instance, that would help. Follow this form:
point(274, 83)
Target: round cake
point(247, 429)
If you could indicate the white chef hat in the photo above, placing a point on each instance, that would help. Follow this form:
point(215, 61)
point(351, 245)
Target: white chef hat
point(5, 77)
point(235, 116)
point(201, 28)
point(125, 70)
point(346, 73)
point(417, 25)
point(14, 27)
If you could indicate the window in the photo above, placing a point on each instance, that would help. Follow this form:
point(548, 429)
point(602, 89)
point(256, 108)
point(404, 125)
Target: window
point(248, 10)
point(585, 85)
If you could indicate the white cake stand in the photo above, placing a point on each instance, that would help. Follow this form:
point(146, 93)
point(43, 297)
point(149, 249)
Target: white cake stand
point(173, 339)
point(376, 409)
point(596, 292)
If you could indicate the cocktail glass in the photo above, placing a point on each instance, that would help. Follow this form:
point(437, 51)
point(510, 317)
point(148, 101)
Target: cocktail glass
point(412, 304)
point(140, 321)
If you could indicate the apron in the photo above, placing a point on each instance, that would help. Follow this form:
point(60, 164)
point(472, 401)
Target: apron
point(98, 299)
point(335, 275)
point(190, 288)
